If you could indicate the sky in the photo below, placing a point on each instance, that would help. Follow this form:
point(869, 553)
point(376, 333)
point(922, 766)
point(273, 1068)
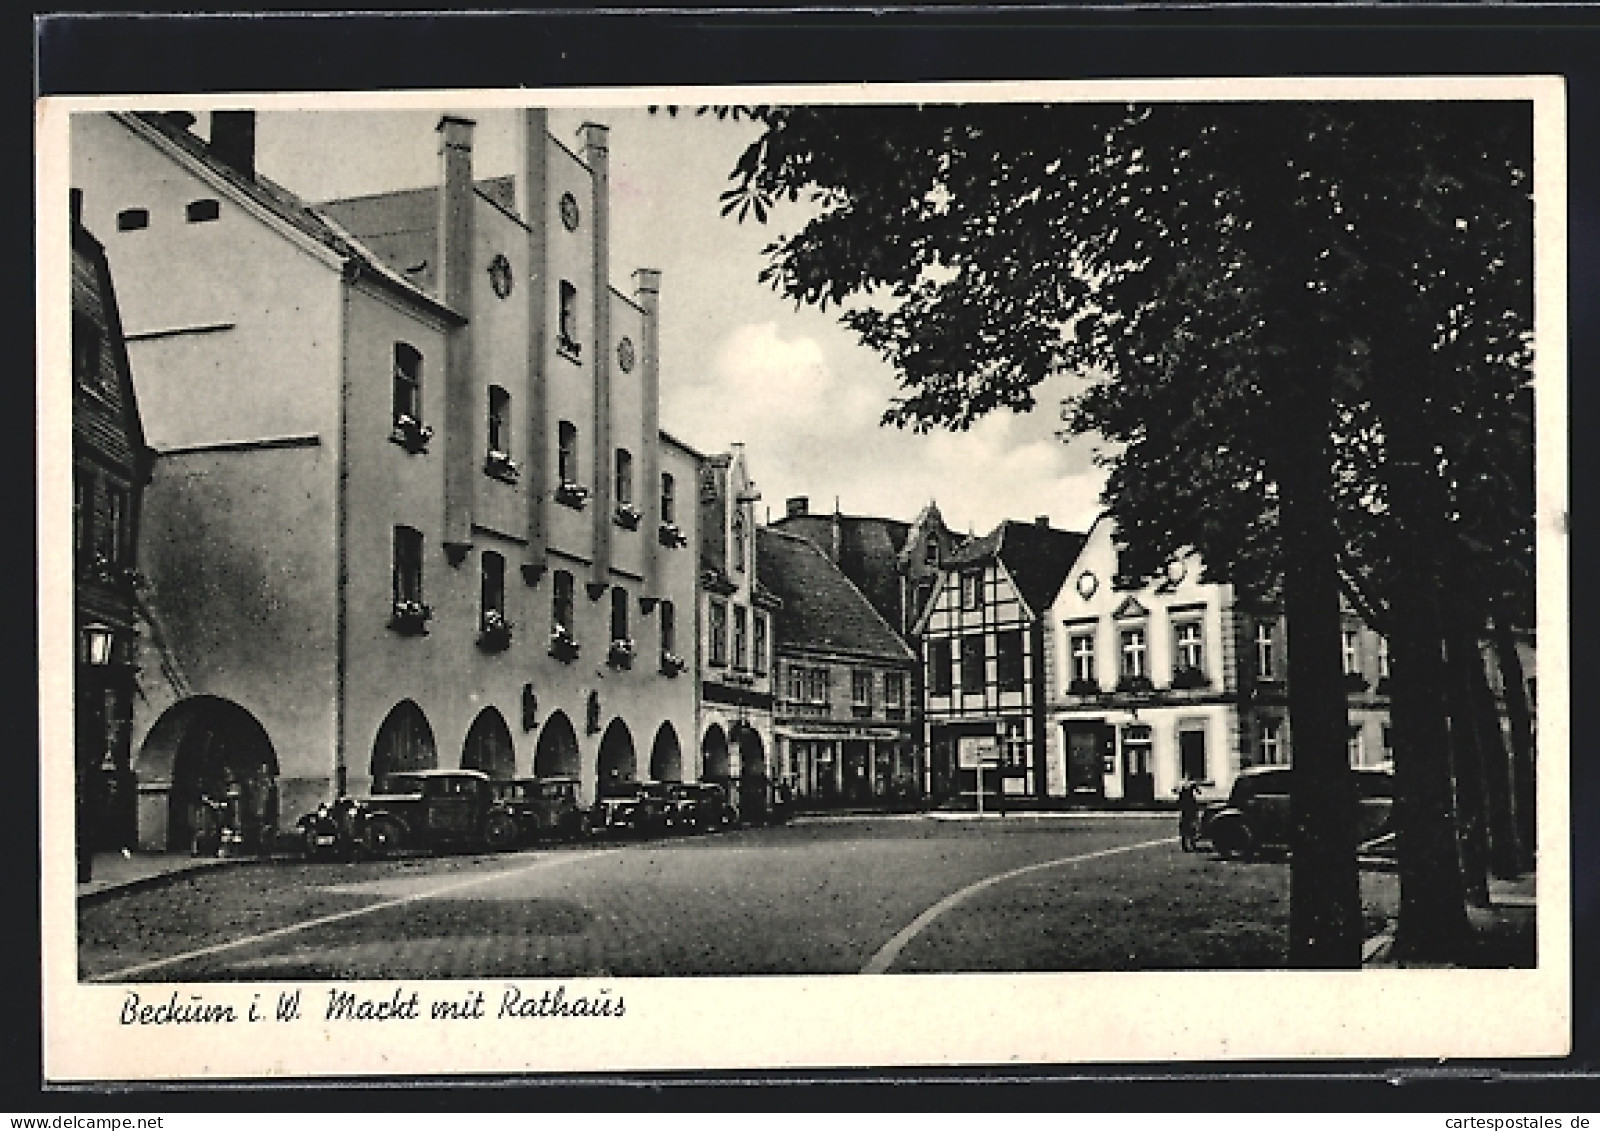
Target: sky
point(739, 364)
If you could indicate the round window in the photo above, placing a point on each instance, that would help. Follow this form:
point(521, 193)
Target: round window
point(569, 211)
point(625, 355)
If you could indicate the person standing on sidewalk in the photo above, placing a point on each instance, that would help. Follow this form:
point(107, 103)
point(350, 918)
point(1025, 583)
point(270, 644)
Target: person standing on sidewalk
point(1189, 814)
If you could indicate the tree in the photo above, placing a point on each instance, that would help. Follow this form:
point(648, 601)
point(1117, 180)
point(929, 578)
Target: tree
point(1215, 268)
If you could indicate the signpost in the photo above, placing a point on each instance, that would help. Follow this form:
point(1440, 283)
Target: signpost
point(978, 753)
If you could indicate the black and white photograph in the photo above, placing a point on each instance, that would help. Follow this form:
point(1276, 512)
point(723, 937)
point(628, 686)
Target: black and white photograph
point(744, 577)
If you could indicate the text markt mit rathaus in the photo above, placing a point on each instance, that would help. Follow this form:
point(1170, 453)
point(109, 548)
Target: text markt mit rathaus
point(404, 1005)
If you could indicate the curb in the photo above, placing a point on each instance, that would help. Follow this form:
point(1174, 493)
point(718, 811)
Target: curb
point(160, 879)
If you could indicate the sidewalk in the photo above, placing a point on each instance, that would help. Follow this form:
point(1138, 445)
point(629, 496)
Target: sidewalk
point(115, 871)
point(1503, 932)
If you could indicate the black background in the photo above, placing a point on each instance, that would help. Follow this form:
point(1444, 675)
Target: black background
point(124, 54)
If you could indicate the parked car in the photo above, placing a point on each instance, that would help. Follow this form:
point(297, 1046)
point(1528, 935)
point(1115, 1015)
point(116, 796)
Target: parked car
point(543, 808)
point(1257, 813)
point(636, 808)
point(433, 809)
point(701, 806)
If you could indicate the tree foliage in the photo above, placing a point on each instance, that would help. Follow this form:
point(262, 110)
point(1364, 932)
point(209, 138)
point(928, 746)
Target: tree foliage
point(1329, 301)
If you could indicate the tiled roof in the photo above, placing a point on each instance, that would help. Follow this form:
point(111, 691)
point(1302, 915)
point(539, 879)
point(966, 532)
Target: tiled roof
point(403, 226)
point(869, 552)
point(286, 206)
point(822, 609)
point(1037, 557)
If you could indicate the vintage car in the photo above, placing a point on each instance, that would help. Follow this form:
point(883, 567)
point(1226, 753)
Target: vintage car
point(432, 809)
point(544, 808)
point(1257, 813)
point(638, 808)
point(701, 806)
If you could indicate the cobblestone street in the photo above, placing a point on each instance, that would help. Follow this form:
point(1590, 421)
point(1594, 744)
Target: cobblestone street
point(826, 897)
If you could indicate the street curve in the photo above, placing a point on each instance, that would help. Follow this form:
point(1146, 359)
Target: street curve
point(880, 962)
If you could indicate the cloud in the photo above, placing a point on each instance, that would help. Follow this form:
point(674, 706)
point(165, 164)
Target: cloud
point(807, 410)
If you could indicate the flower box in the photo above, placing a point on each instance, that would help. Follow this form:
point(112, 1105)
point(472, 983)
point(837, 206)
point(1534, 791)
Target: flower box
point(1083, 687)
point(672, 536)
point(573, 495)
point(672, 663)
point(563, 645)
point(1187, 679)
point(1354, 681)
point(620, 654)
point(500, 465)
point(627, 516)
point(569, 348)
point(1135, 685)
point(494, 632)
point(411, 434)
point(410, 618)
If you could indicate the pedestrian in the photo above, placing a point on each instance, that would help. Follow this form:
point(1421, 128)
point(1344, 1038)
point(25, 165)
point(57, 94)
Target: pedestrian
point(1189, 814)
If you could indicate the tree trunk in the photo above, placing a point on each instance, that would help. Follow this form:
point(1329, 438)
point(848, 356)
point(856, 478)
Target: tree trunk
point(1466, 761)
point(1504, 853)
point(1523, 795)
point(1325, 928)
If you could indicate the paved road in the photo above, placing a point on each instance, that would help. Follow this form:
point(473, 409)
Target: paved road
point(1086, 892)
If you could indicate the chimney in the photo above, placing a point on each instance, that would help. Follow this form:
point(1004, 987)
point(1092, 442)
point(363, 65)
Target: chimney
point(796, 507)
point(1042, 521)
point(233, 139)
point(180, 118)
point(454, 289)
point(75, 205)
point(836, 541)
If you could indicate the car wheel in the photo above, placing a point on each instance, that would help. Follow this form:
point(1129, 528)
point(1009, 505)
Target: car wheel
point(382, 836)
point(1232, 836)
point(499, 831)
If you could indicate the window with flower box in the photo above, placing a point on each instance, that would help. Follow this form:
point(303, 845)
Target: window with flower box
point(497, 460)
point(1350, 655)
point(671, 662)
point(567, 341)
point(409, 614)
point(627, 513)
point(494, 629)
point(621, 651)
point(563, 633)
point(569, 492)
point(409, 431)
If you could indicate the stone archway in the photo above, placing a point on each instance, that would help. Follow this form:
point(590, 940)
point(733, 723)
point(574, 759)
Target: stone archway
point(215, 757)
point(556, 754)
point(618, 763)
point(404, 742)
point(489, 747)
point(715, 763)
point(666, 755)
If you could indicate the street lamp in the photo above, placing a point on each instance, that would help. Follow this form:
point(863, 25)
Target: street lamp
point(97, 642)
